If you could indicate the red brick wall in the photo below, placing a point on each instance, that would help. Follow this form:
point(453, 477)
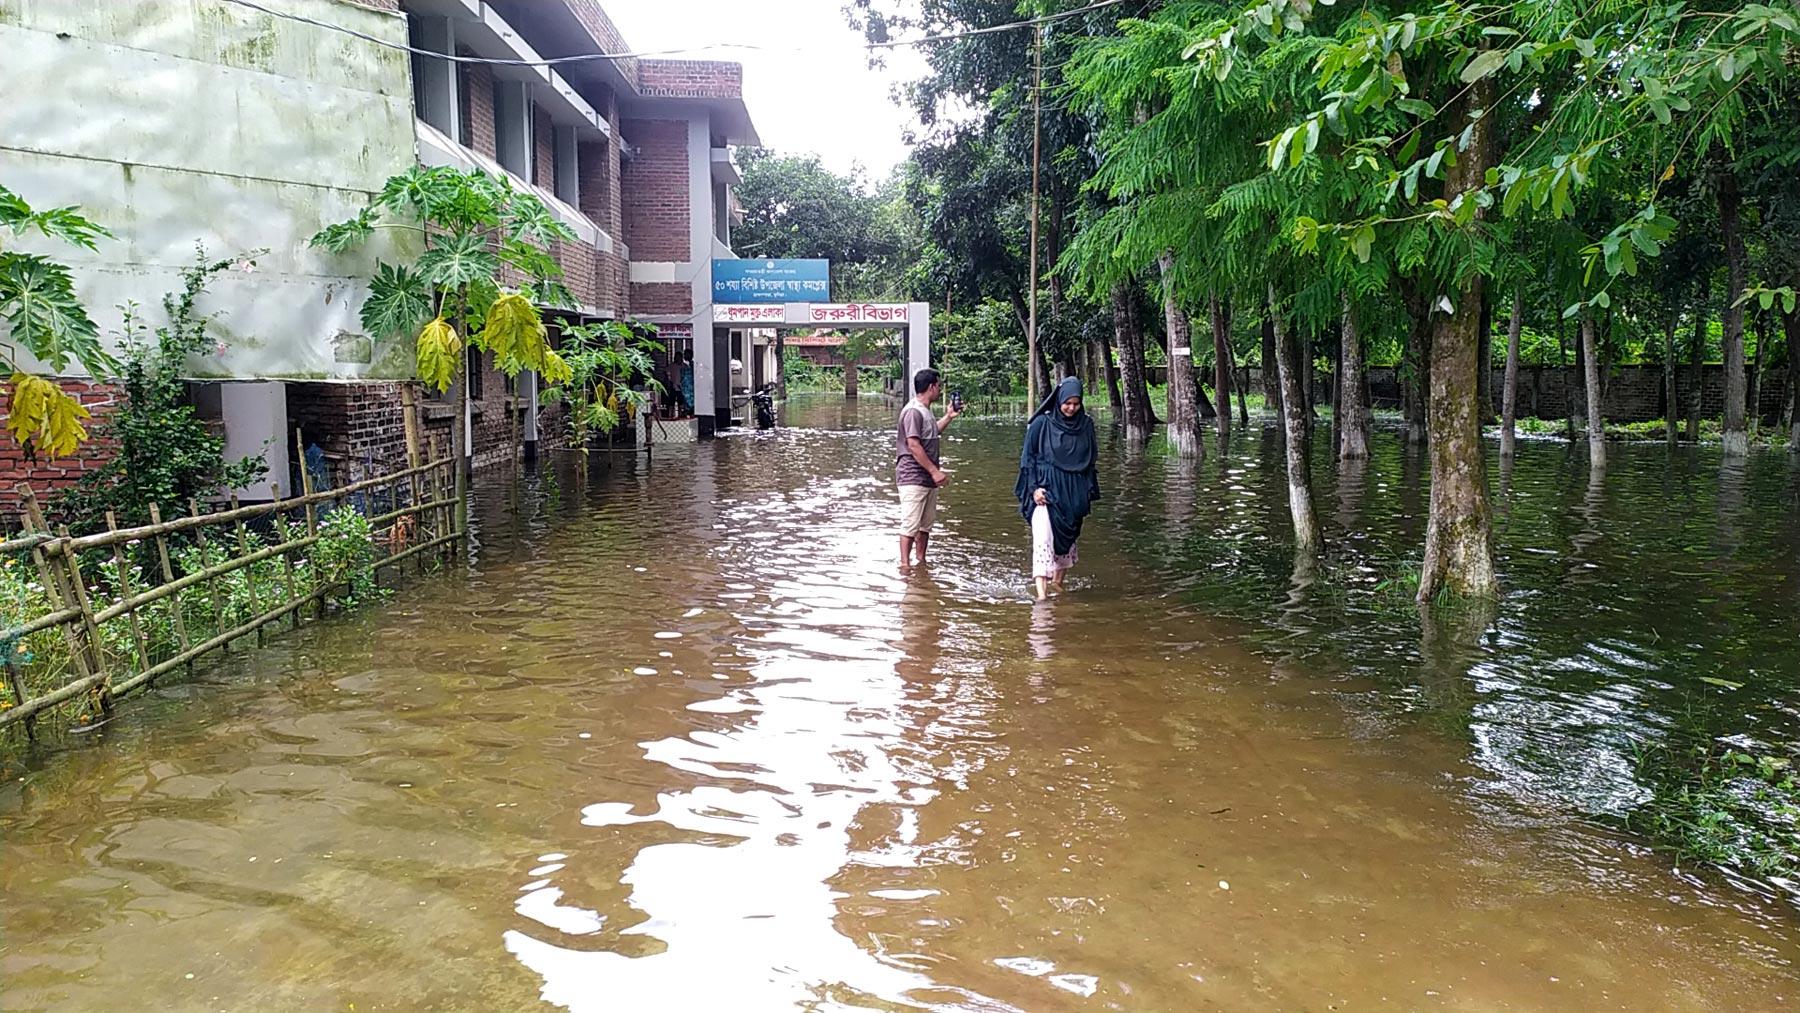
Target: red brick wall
point(613, 284)
point(49, 477)
point(654, 193)
point(661, 298)
point(579, 263)
point(543, 138)
point(481, 109)
point(360, 426)
point(606, 34)
point(690, 79)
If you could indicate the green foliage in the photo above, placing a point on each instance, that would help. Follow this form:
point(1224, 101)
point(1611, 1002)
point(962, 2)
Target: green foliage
point(474, 226)
point(981, 351)
point(166, 453)
point(603, 362)
point(42, 314)
point(344, 558)
point(1722, 807)
point(795, 207)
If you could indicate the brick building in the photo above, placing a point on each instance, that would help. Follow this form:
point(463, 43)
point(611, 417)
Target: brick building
point(246, 130)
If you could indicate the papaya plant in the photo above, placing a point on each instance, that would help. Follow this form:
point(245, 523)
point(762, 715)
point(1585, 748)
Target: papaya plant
point(479, 232)
point(43, 316)
point(602, 359)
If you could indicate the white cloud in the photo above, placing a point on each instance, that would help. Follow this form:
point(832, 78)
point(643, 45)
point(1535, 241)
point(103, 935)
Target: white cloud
point(807, 80)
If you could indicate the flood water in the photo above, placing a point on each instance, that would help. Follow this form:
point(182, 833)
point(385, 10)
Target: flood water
point(683, 738)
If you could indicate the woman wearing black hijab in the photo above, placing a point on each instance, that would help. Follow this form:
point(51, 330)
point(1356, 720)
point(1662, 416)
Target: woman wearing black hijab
point(1058, 482)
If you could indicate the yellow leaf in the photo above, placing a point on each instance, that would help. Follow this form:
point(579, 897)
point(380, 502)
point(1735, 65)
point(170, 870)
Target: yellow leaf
point(556, 372)
point(30, 406)
point(63, 432)
point(440, 354)
point(1669, 173)
point(514, 332)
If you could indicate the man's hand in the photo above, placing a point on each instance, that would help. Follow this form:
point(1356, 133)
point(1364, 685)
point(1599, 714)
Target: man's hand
point(1040, 499)
point(951, 411)
point(941, 477)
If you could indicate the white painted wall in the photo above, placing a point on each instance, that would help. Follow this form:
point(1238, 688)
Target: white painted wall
point(173, 123)
point(256, 426)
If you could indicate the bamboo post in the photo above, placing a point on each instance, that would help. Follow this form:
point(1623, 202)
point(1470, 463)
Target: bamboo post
point(312, 514)
point(212, 582)
point(287, 555)
point(60, 595)
point(126, 591)
point(72, 569)
point(243, 540)
point(18, 691)
point(409, 408)
point(168, 573)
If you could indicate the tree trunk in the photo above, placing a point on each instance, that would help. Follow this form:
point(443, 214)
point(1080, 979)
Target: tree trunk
point(1484, 376)
point(1134, 389)
point(850, 378)
point(1108, 372)
point(1697, 362)
point(1416, 367)
point(1243, 392)
point(1220, 312)
point(1509, 390)
point(1671, 409)
point(1183, 411)
point(1574, 382)
point(1271, 377)
point(1596, 426)
point(1791, 323)
point(1308, 538)
point(1737, 443)
point(1458, 539)
point(1353, 392)
point(1753, 407)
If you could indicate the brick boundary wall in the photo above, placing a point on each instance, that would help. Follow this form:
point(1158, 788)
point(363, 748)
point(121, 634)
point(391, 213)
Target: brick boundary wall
point(654, 191)
point(49, 477)
point(690, 79)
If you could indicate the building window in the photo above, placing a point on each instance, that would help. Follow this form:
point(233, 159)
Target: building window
point(474, 372)
point(465, 123)
point(415, 37)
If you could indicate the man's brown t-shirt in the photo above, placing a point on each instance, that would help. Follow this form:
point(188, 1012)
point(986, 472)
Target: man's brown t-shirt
point(916, 421)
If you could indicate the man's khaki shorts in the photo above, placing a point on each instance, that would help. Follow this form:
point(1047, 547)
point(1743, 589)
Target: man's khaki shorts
point(918, 509)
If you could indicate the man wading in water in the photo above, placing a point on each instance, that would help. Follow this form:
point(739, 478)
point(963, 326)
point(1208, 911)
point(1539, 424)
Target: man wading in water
point(916, 469)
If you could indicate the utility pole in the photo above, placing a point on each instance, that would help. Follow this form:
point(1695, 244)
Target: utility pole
point(1031, 332)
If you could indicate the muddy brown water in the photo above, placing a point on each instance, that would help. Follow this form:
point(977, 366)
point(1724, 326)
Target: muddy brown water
point(683, 738)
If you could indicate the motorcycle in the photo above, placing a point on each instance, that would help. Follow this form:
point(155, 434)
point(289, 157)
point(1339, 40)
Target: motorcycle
point(764, 400)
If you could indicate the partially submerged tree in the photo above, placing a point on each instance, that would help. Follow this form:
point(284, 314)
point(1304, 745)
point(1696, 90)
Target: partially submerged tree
point(485, 269)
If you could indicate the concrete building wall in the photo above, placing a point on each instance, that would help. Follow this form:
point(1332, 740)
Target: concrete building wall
point(205, 122)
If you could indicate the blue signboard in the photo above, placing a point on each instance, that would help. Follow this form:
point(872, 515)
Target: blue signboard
point(771, 281)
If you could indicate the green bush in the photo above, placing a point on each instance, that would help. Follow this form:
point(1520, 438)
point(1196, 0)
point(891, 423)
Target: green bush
point(346, 555)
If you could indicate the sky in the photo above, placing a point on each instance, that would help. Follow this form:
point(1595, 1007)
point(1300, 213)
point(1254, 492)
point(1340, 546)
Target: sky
point(809, 88)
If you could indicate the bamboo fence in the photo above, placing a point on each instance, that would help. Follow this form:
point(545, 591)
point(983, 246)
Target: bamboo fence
point(425, 519)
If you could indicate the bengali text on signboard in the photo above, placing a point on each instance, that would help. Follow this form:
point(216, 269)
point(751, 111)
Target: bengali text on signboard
point(771, 281)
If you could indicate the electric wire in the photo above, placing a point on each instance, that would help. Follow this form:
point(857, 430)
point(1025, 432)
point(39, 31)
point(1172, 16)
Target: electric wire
point(675, 51)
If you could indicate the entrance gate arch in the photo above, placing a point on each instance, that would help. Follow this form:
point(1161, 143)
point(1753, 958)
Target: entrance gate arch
point(911, 318)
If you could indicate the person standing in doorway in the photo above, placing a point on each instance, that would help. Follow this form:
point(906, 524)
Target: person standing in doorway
point(687, 381)
point(1059, 482)
point(916, 468)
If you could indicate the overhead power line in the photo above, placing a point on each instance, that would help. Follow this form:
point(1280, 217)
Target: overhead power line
point(675, 51)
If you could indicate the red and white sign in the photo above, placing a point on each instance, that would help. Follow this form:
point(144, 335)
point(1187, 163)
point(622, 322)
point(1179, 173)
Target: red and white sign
point(821, 313)
point(743, 314)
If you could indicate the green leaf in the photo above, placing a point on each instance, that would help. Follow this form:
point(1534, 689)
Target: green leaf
point(456, 260)
point(399, 303)
point(1411, 147)
point(1727, 68)
point(1435, 162)
point(1362, 242)
point(1766, 299)
point(1416, 107)
point(346, 235)
point(1486, 62)
point(39, 306)
point(1722, 683)
point(1279, 149)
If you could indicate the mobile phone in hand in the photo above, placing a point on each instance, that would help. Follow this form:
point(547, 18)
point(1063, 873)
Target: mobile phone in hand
point(956, 401)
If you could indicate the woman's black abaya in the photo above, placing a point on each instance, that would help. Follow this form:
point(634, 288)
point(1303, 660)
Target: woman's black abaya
point(1060, 457)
